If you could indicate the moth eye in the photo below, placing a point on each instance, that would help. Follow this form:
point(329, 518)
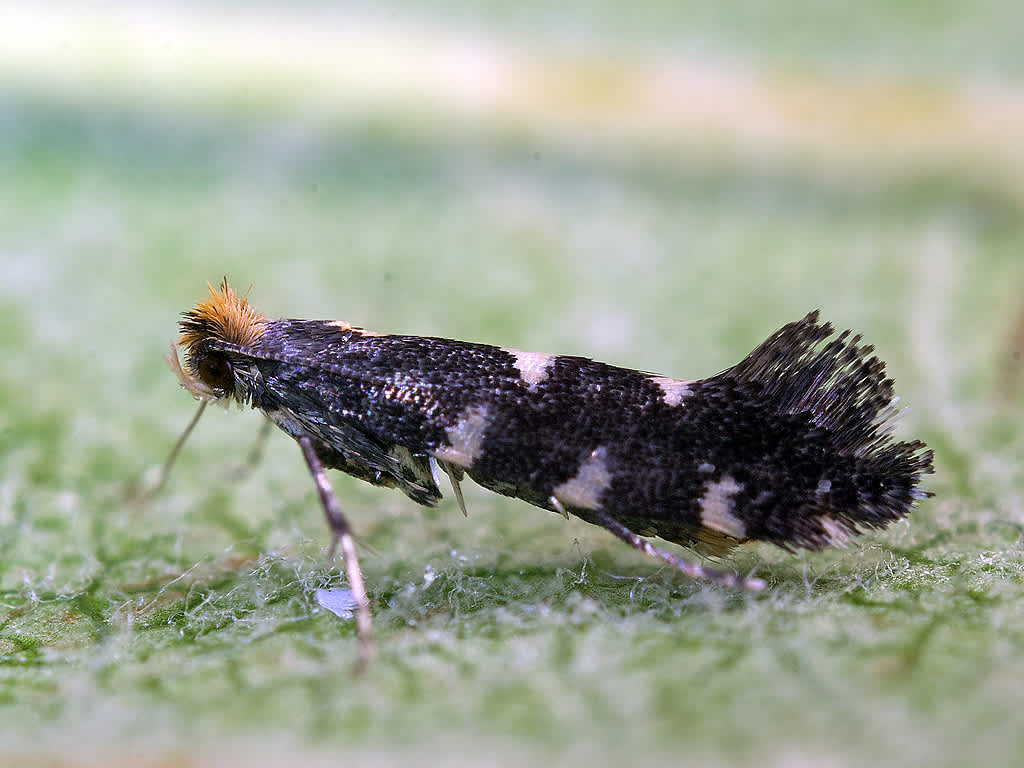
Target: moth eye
point(216, 372)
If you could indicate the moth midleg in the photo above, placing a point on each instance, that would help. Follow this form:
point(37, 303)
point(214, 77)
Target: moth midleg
point(341, 534)
point(693, 570)
point(455, 475)
point(559, 507)
point(256, 452)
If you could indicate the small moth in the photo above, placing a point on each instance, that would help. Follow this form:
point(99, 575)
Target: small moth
point(791, 446)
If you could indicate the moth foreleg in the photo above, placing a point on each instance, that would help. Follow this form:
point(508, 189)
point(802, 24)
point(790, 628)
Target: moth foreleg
point(693, 570)
point(145, 493)
point(341, 534)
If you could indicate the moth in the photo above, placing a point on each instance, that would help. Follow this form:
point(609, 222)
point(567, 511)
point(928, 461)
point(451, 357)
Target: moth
point(791, 446)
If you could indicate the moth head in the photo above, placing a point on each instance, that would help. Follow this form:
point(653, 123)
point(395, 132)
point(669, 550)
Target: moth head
point(210, 333)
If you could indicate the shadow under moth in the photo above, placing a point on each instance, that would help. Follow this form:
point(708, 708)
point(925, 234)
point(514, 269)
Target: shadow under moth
point(791, 446)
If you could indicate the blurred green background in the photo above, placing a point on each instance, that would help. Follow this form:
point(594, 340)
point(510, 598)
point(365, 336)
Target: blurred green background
point(658, 185)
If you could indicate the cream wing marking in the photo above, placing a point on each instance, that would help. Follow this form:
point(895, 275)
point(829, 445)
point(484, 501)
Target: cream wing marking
point(466, 438)
point(673, 391)
point(717, 508)
point(584, 489)
point(533, 367)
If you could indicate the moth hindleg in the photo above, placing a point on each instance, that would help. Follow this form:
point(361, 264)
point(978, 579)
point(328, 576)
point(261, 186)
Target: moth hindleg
point(341, 534)
point(693, 570)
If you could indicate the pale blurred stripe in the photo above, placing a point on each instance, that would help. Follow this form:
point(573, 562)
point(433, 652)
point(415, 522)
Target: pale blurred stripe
point(326, 66)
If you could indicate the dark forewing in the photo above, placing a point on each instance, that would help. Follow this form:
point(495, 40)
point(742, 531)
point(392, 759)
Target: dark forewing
point(789, 446)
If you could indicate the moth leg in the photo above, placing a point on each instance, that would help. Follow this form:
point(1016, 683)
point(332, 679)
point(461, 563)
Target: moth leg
point(693, 570)
point(341, 534)
point(455, 475)
point(256, 452)
point(559, 507)
point(145, 494)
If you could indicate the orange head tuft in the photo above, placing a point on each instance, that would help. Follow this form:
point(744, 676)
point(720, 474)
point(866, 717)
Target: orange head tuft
point(225, 316)
point(224, 319)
